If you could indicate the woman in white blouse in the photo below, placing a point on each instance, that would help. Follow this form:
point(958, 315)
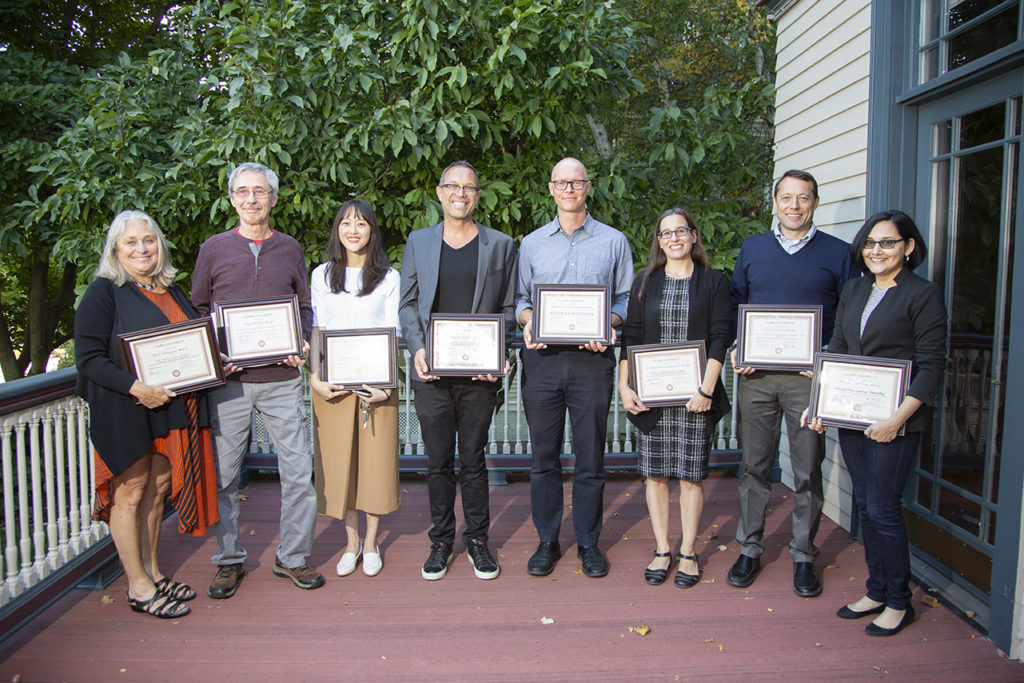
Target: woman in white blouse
point(356, 438)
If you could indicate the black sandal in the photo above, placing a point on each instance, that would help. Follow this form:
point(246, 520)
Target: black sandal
point(656, 577)
point(168, 608)
point(684, 580)
point(182, 592)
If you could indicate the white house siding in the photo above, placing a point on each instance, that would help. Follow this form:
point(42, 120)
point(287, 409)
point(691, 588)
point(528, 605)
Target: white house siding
point(821, 125)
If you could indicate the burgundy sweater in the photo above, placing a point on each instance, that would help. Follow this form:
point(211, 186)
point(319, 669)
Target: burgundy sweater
point(227, 269)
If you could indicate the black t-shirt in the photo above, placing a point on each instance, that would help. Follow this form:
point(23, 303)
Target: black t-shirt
point(456, 280)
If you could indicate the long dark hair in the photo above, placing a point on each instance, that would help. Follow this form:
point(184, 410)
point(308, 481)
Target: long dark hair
point(376, 265)
point(656, 257)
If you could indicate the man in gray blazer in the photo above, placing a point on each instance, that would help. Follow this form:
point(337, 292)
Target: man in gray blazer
point(456, 266)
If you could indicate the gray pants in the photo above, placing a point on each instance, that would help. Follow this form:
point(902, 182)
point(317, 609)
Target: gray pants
point(764, 399)
point(284, 414)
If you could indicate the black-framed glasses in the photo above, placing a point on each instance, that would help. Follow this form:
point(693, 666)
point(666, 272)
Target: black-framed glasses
point(887, 243)
point(576, 184)
point(257, 192)
point(678, 233)
point(452, 188)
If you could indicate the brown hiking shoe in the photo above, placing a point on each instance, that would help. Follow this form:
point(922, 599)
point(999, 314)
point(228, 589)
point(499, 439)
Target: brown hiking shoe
point(303, 577)
point(225, 581)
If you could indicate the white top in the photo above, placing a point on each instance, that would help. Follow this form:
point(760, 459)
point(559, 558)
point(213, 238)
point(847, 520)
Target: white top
point(345, 310)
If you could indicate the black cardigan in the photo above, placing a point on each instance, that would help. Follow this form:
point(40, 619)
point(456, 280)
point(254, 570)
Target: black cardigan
point(709, 320)
point(909, 323)
point(121, 430)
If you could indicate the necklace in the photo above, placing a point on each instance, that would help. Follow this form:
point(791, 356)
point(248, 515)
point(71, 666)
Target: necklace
point(150, 287)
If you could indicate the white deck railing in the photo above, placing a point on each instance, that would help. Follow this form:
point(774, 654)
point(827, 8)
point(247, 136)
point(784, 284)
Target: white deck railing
point(47, 468)
point(47, 473)
point(509, 434)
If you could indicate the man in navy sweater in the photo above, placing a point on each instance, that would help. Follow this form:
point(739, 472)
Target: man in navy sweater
point(794, 263)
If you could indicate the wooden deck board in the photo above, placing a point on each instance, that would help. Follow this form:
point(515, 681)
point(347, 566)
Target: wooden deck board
point(397, 626)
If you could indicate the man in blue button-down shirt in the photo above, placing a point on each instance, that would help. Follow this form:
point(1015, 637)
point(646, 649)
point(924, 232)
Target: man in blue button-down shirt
point(572, 249)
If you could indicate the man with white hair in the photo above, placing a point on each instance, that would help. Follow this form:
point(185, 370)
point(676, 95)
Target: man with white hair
point(253, 261)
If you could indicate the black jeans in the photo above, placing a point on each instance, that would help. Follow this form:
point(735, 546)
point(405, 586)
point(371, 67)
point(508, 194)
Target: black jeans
point(554, 380)
point(446, 407)
point(878, 472)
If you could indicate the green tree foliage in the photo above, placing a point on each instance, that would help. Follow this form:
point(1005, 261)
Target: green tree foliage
point(373, 99)
point(699, 135)
point(48, 48)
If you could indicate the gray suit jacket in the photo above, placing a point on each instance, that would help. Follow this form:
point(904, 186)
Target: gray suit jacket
point(495, 281)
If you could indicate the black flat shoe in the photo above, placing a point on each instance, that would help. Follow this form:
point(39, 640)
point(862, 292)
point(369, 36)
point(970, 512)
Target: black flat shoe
point(873, 630)
point(806, 583)
point(595, 564)
point(743, 571)
point(544, 558)
point(684, 580)
point(656, 577)
point(846, 613)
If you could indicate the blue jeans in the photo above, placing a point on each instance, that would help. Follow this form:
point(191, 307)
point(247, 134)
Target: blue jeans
point(879, 474)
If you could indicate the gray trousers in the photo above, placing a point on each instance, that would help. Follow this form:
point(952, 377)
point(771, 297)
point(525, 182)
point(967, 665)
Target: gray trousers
point(284, 414)
point(764, 399)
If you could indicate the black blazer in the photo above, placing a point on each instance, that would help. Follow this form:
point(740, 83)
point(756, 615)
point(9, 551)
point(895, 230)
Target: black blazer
point(121, 430)
point(909, 323)
point(709, 320)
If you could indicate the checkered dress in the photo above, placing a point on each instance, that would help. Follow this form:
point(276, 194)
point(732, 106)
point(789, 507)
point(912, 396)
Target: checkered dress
point(679, 446)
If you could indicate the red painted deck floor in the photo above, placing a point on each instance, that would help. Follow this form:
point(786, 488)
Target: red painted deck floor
point(561, 627)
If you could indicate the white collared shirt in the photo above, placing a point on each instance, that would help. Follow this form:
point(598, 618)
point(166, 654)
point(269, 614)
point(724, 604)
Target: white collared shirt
point(793, 246)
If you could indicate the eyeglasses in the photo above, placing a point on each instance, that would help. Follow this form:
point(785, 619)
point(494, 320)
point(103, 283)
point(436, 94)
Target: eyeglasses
point(452, 188)
point(576, 184)
point(887, 243)
point(257, 192)
point(678, 233)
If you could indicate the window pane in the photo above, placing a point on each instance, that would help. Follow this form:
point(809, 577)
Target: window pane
point(960, 511)
point(984, 125)
point(941, 135)
point(978, 41)
point(962, 11)
point(931, 13)
point(973, 317)
point(929, 64)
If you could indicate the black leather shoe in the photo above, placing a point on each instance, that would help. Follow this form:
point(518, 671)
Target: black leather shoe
point(656, 577)
point(595, 564)
point(805, 580)
point(684, 580)
point(544, 558)
point(873, 630)
point(846, 613)
point(743, 571)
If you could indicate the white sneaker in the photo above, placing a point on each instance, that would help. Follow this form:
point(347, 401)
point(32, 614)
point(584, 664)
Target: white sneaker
point(373, 562)
point(347, 563)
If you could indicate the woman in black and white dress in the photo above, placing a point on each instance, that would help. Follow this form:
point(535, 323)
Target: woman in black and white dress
point(677, 298)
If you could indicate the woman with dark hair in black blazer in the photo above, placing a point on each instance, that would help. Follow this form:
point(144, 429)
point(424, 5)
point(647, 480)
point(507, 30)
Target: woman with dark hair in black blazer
point(677, 298)
point(893, 313)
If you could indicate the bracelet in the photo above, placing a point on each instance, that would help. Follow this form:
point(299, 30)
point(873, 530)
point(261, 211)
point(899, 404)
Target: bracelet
point(701, 392)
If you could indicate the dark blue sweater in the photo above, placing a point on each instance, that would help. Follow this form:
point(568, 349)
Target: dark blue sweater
point(766, 274)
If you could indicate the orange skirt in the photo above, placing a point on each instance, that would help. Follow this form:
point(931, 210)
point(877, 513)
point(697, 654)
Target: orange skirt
point(173, 446)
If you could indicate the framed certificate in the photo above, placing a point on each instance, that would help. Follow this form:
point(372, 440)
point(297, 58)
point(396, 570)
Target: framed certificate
point(857, 391)
point(666, 374)
point(352, 358)
point(466, 344)
point(572, 314)
point(777, 337)
point(180, 356)
point(256, 332)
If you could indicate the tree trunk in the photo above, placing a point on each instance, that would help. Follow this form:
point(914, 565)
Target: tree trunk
point(604, 147)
